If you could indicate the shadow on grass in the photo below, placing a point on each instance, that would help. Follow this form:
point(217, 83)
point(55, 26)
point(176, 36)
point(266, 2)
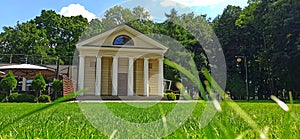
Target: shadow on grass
point(57, 101)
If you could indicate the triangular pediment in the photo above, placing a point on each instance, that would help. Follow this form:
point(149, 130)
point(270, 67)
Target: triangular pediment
point(106, 39)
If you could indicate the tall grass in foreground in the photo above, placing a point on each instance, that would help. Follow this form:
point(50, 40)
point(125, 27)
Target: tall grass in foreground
point(65, 120)
point(212, 86)
point(233, 120)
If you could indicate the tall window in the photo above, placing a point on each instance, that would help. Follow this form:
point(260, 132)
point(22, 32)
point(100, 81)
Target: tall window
point(123, 40)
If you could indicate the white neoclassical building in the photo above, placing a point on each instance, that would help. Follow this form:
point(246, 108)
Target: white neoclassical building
point(121, 62)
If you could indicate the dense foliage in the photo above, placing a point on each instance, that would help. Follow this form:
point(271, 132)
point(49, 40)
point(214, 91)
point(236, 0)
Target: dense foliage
point(9, 82)
point(170, 96)
point(43, 39)
point(44, 99)
point(267, 33)
point(57, 87)
point(38, 83)
point(15, 97)
point(2, 97)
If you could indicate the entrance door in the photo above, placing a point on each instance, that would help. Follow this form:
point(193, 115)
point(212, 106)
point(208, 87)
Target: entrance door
point(122, 84)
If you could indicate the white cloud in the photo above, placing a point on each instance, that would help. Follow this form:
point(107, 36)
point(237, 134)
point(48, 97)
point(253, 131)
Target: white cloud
point(76, 9)
point(189, 3)
point(167, 3)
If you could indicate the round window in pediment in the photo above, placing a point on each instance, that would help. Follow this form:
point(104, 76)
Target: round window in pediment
point(123, 40)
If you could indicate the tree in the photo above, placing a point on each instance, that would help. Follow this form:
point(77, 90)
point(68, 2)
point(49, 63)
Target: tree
point(141, 13)
point(44, 37)
point(267, 32)
point(8, 83)
point(94, 28)
point(39, 84)
point(25, 39)
point(57, 87)
point(62, 32)
point(236, 87)
point(119, 15)
point(116, 16)
point(229, 35)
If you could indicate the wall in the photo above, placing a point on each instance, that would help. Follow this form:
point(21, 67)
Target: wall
point(139, 76)
point(89, 75)
point(153, 77)
point(106, 76)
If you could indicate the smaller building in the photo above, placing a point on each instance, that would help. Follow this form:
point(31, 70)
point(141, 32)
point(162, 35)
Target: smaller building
point(121, 62)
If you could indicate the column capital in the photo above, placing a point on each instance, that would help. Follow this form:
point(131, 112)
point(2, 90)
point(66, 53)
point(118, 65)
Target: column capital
point(146, 58)
point(98, 56)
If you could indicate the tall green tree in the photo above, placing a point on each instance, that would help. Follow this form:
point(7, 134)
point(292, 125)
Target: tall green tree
point(57, 87)
point(95, 27)
point(62, 32)
point(266, 31)
point(119, 15)
point(229, 35)
point(8, 83)
point(43, 38)
point(25, 39)
point(38, 84)
point(138, 17)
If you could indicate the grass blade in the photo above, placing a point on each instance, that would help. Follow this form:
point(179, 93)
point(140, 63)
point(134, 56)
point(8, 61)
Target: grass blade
point(57, 101)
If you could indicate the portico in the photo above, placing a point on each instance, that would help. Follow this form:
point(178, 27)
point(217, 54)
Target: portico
point(121, 62)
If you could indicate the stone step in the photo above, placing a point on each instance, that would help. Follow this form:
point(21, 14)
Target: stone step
point(90, 97)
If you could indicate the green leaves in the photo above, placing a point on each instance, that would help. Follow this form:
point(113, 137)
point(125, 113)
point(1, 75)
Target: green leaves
point(44, 37)
point(9, 82)
point(39, 84)
point(57, 85)
point(267, 33)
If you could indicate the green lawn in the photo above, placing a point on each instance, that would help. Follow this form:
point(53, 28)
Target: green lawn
point(66, 120)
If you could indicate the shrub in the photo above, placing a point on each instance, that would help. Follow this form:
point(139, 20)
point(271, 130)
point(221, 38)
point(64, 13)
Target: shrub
point(9, 82)
point(44, 98)
point(170, 96)
point(2, 97)
point(15, 97)
point(38, 84)
point(57, 87)
point(26, 98)
point(168, 91)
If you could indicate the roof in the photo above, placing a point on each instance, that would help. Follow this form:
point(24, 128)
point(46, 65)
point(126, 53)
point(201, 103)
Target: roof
point(23, 66)
point(121, 27)
point(28, 70)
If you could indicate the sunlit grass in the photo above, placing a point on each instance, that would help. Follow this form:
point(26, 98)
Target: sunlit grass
point(232, 119)
point(65, 120)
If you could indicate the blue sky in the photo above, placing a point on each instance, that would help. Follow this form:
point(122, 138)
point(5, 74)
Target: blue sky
point(12, 11)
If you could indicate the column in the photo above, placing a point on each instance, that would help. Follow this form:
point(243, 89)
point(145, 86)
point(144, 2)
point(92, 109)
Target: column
point(98, 76)
point(130, 76)
point(115, 76)
point(81, 73)
point(146, 74)
point(23, 84)
point(160, 77)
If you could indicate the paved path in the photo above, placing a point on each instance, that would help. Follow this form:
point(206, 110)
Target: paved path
point(138, 101)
